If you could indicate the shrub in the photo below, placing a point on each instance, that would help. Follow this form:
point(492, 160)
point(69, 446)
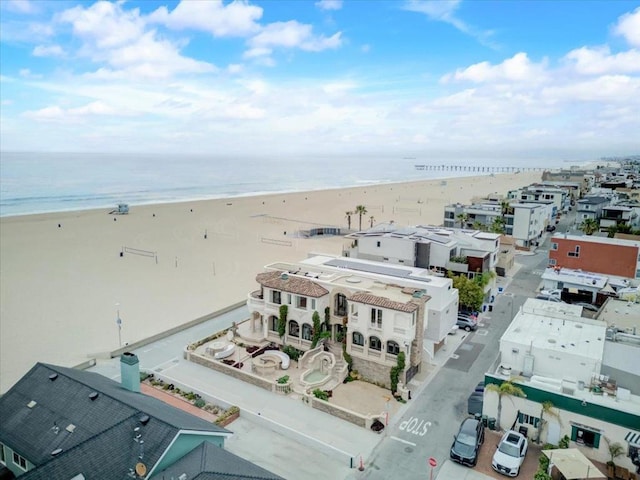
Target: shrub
point(543, 463)
point(228, 413)
point(200, 403)
point(322, 395)
point(283, 380)
point(293, 352)
point(549, 446)
point(541, 475)
point(282, 321)
point(564, 442)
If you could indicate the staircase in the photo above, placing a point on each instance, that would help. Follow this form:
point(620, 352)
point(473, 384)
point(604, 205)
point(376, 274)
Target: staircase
point(336, 349)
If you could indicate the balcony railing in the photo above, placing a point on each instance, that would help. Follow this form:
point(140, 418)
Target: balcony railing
point(255, 300)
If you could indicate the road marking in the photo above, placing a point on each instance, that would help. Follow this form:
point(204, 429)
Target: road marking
point(482, 332)
point(416, 426)
point(454, 356)
point(403, 441)
point(166, 365)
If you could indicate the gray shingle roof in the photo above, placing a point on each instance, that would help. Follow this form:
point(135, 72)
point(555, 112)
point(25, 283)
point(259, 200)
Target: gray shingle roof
point(209, 462)
point(292, 284)
point(100, 441)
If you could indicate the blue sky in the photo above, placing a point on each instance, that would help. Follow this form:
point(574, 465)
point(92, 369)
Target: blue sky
point(503, 78)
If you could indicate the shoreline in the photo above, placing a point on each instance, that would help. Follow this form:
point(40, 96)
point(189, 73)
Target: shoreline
point(63, 287)
point(221, 197)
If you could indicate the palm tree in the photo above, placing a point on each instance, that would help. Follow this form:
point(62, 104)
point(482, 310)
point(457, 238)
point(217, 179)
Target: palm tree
point(371, 220)
point(547, 407)
point(507, 388)
point(361, 210)
point(348, 214)
point(462, 217)
point(589, 226)
point(497, 226)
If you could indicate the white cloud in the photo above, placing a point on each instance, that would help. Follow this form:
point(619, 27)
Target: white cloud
point(616, 89)
point(56, 113)
point(599, 60)
point(48, 51)
point(105, 24)
point(329, 4)
point(232, 20)
point(628, 26)
point(445, 11)
point(119, 40)
point(21, 6)
point(515, 69)
point(27, 73)
point(291, 34)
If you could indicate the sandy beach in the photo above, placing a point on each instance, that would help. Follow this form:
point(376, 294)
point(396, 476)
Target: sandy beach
point(63, 280)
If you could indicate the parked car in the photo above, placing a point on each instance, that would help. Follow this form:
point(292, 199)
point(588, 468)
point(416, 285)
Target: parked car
point(552, 293)
point(467, 323)
point(510, 453)
point(551, 228)
point(549, 298)
point(587, 306)
point(466, 443)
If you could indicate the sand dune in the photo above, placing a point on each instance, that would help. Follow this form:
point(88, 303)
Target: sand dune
point(61, 287)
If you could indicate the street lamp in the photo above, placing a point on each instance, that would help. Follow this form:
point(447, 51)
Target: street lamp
point(119, 324)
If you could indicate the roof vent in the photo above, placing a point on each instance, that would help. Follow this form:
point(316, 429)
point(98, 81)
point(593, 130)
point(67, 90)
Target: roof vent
point(70, 428)
point(53, 376)
point(32, 404)
point(93, 396)
point(57, 451)
point(144, 419)
point(284, 276)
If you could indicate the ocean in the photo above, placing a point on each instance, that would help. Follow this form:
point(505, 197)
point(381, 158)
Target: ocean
point(52, 182)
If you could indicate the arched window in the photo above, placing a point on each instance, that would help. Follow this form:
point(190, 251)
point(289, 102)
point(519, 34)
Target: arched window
point(340, 307)
point(273, 323)
point(294, 329)
point(393, 348)
point(306, 331)
point(375, 343)
point(357, 338)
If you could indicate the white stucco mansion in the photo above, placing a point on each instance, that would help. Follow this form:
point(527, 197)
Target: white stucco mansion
point(379, 310)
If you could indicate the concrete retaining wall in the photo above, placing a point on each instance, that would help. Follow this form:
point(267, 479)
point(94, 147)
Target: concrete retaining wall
point(229, 370)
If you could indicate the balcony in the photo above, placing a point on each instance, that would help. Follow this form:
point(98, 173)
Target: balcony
point(457, 267)
point(255, 301)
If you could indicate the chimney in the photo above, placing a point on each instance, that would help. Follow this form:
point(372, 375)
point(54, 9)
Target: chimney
point(130, 371)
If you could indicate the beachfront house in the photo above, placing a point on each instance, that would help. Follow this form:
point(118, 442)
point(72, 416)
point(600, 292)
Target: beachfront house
point(581, 369)
point(459, 251)
point(68, 424)
point(376, 310)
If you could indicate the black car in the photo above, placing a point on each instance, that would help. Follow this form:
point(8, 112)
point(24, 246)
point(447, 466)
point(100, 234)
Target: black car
point(466, 443)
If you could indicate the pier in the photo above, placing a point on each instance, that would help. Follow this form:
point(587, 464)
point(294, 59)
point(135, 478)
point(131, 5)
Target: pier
point(475, 168)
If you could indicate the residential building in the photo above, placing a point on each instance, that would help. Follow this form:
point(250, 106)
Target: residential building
point(578, 285)
point(525, 222)
point(506, 255)
point(619, 216)
point(583, 177)
point(528, 222)
point(560, 197)
point(601, 255)
point(68, 424)
point(427, 247)
point(590, 207)
point(379, 310)
point(561, 359)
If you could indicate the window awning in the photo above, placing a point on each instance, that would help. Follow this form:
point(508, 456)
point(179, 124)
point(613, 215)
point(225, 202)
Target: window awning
point(633, 438)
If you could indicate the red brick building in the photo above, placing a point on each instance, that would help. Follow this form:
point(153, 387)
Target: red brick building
point(609, 256)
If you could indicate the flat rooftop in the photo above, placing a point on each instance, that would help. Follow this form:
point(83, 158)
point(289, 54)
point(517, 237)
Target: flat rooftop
point(576, 277)
point(365, 268)
point(592, 239)
point(621, 314)
point(557, 327)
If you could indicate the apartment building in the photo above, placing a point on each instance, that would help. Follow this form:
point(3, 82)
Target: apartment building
point(608, 256)
point(554, 355)
point(591, 207)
